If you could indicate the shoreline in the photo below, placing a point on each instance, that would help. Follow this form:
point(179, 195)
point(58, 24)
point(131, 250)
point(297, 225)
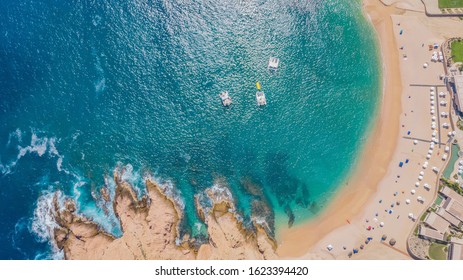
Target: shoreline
point(372, 164)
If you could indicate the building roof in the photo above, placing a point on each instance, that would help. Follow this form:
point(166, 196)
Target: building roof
point(430, 233)
point(448, 217)
point(454, 207)
point(459, 90)
point(456, 240)
point(448, 192)
point(436, 222)
point(455, 251)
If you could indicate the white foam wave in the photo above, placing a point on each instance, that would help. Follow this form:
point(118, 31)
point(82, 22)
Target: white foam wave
point(43, 221)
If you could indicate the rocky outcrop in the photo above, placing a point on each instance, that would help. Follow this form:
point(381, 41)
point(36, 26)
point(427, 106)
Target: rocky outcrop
point(150, 228)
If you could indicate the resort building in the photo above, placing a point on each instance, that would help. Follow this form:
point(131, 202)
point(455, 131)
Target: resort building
point(456, 240)
point(436, 222)
point(458, 92)
point(455, 252)
point(448, 217)
point(430, 234)
point(449, 193)
point(454, 208)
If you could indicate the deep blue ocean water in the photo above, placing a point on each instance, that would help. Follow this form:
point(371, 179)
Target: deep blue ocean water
point(87, 86)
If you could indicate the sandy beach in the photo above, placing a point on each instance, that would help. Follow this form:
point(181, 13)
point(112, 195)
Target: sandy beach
point(378, 184)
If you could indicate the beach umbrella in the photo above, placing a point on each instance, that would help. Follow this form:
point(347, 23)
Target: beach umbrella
point(384, 237)
point(361, 247)
point(413, 191)
point(368, 227)
point(431, 89)
point(421, 173)
point(367, 241)
point(375, 220)
point(454, 133)
point(390, 211)
point(460, 162)
point(417, 184)
point(349, 254)
point(381, 224)
point(392, 242)
point(410, 215)
point(415, 142)
point(434, 133)
point(407, 201)
point(432, 112)
point(432, 97)
point(426, 186)
point(425, 65)
point(433, 118)
point(447, 149)
point(460, 172)
point(433, 126)
point(428, 156)
point(420, 178)
point(356, 251)
point(432, 103)
point(432, 108)
point(329, 247)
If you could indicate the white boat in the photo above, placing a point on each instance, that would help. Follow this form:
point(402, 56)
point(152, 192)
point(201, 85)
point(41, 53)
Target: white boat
point(273, 63)
point(260, 97)
point(226, 100)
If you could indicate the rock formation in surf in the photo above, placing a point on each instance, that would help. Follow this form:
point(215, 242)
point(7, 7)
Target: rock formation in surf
point(151, 225)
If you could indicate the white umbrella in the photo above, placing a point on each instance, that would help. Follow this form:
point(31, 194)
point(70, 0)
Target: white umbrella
point(433, 118)
point(432, 103)
point(407, 201)
point(460, 162)
point(429, 151)
point(432, 112)
point(420, 178)
point(431, 88)
point(422, 173)
point(428, 156)
point(425, 65)
point(413, 191)
point(329, 247)
point(434, 133)
point(460, 171)
point(435, 169)
point(426, 186)
point(447, 149)
point(433, 126)
point(415, 142)
point(432, 108)
point(375, 220)
point(381, 224)
point(417, 184)
point(432, 97)
point(410, 215)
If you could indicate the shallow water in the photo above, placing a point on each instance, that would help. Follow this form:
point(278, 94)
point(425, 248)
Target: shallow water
point(91, 85)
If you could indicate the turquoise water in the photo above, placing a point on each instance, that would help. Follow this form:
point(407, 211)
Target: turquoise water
point(451, 164)
point(88, 86)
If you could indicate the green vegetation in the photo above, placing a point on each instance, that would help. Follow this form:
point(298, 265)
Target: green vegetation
point(453, 185)
point(438, 251)
point(450, 4)
point(460, 124)
point(457, 50)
